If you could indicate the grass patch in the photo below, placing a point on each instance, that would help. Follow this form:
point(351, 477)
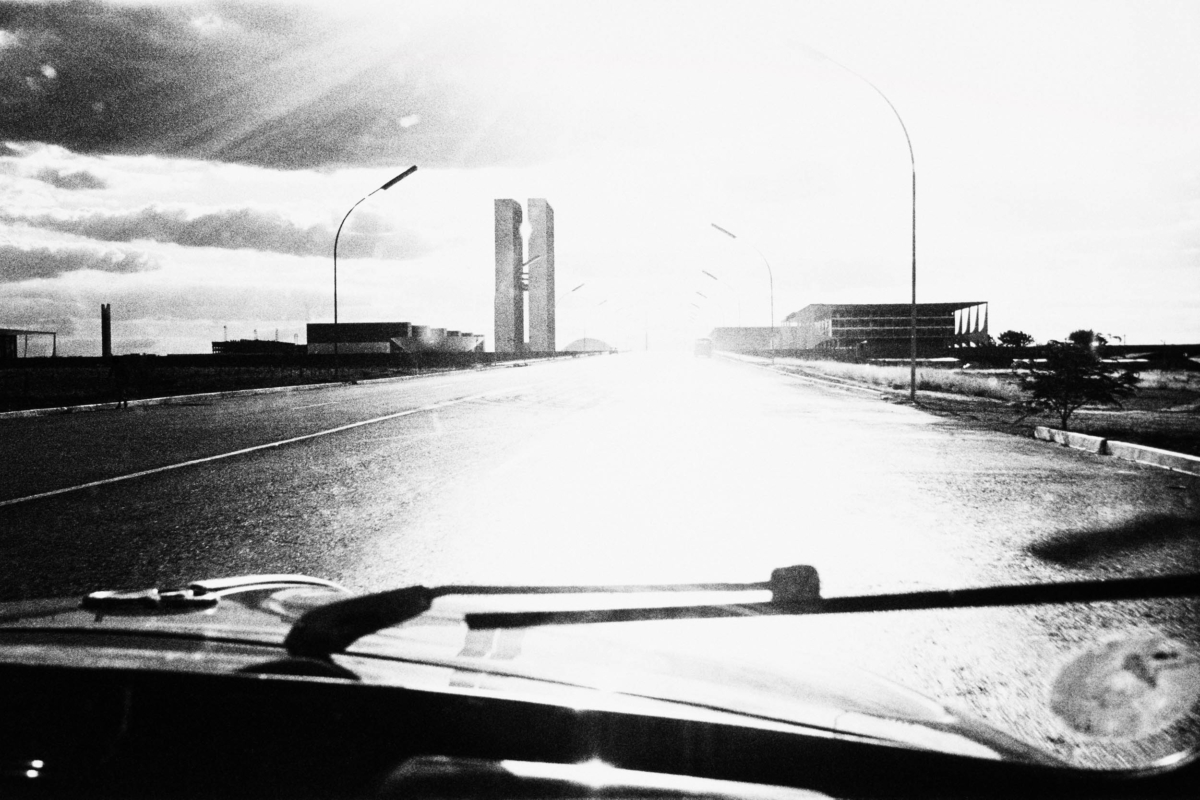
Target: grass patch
point(1170, 380)
point(1141, 419)
point(998, 387)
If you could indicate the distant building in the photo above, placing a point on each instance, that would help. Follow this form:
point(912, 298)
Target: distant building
point(886, 329)
point(16, 343)
point(586, 345)
point(388, 337)
point(242, 347)
point(509, 302)
point(512, 281)
point(541, 276)
point(746, 340)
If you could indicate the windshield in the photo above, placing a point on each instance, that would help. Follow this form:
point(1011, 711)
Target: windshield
point(432, 293)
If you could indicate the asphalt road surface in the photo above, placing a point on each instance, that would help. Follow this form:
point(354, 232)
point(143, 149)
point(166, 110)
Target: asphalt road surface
point(621, 469)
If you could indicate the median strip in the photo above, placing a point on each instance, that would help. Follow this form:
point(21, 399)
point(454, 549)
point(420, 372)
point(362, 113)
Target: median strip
point(189, 399)
point(267, 446)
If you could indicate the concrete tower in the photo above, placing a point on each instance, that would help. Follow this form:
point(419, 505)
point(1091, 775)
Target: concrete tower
point(541, 276)
point(106, 330)
point(510, 296)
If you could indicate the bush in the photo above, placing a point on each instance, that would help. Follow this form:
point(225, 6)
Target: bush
point(1072, 376)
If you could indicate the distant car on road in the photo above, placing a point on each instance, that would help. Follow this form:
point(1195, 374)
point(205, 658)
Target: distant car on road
point(703, 347)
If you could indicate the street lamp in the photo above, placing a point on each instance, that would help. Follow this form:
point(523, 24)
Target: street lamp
point(770, 277)
point(737, 297)
point(1120, 338)
point(336, 331)
point(912, 384)
point(525, 275)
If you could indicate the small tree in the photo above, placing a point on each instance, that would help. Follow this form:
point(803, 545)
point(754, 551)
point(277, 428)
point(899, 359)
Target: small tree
point(1081, 337)
point(1087, 338)
point(1015, 339)
point(1072, 376)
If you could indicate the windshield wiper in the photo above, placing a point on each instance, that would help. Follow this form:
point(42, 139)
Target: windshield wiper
point(992, 596)
point(332, 628)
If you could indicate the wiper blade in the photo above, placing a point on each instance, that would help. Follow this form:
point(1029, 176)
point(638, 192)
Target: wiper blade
point(992, 596)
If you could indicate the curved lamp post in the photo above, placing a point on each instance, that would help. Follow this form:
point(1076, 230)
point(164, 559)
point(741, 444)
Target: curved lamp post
point(770, 277)
point(338, 235)
point(912, 384)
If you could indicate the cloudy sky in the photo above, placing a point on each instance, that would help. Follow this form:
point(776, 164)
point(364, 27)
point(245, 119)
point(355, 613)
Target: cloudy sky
point(188, 162)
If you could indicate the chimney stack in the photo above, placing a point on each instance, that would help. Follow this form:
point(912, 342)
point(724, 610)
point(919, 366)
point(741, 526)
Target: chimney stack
point(106, 330)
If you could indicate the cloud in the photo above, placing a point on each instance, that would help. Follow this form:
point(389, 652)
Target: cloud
point(67, 307)
point(365, 236)
point(255, 83)
point(40, 314)
point(70, 180)
point(154, 318)
point(20, 264)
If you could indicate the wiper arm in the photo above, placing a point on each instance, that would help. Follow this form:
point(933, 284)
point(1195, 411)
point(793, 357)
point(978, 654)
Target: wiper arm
point(992, 596)
point(197, 594)
point(332, 628)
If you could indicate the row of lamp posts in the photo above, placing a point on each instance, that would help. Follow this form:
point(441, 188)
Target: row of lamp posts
point(912, 385)
point(730, 234)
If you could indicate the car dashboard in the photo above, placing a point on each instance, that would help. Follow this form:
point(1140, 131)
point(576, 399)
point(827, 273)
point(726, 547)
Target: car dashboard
point(87, 731)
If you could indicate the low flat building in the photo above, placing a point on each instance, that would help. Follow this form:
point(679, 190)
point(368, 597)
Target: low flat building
point(17, 343)
point(246, 347)
point(886, 329)
point(388, 337)
point(746, 339)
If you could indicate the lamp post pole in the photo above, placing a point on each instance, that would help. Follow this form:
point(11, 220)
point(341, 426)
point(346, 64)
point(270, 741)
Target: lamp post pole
point(336, 237)
point(770, 277)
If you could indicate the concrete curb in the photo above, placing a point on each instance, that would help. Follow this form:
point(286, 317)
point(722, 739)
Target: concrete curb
point(1142, 454)
point(184, 399)
point(1077, 441)
point(1179, 462)
point(826, 382)
point(798, 373)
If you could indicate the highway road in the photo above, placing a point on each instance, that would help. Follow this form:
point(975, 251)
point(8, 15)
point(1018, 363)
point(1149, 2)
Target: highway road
point(618, 469)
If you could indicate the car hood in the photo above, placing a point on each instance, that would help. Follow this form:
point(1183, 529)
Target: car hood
point(673, 668)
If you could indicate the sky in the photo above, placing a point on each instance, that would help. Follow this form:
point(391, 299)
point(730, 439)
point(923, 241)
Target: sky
point(189, 163)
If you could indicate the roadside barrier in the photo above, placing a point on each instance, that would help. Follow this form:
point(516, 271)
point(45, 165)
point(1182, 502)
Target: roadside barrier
point(1140, 453)
point(185, 399)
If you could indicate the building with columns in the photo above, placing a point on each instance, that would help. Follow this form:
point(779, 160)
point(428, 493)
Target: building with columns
point(512, 281)
point(541, 276)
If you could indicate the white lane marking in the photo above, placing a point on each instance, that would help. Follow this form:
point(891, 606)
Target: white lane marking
point(268, 445)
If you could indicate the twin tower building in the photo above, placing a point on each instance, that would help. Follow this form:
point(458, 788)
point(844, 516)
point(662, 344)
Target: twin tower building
point(512, 279)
